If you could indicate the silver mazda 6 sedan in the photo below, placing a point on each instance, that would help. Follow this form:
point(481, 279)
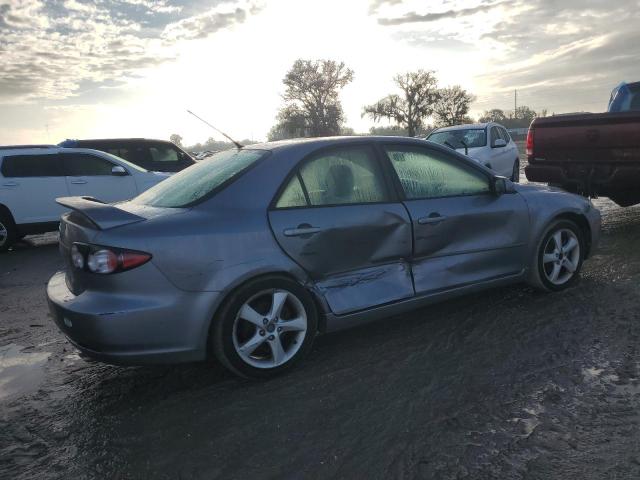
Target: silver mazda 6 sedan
point(248, 255)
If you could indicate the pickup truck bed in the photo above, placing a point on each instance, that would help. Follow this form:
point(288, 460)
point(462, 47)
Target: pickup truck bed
point(595, 154)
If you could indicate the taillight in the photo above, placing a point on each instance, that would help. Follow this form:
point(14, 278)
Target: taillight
point(106, 260)
point(102, 261)
point(530, 142)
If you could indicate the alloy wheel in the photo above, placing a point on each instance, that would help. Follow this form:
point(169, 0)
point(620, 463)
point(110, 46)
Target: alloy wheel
point(561, 256)
point(4, 234)
point(269, 328)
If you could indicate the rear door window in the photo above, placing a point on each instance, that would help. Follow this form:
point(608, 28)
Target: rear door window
point(32, 166)
point(82, 165)
point(345, 176)
point(162, 153)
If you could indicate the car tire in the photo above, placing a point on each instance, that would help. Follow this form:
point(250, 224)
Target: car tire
point(515, 173)
point(557, 268)
point(255, 340)
point(8, 232)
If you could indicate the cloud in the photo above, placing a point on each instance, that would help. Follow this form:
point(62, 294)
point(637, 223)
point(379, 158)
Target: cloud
point(375, 5)
point(414, 17)
point(564, 55)
point(201, 26)
point(50, 49)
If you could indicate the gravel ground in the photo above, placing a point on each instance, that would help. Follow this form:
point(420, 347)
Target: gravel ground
point(506, 384)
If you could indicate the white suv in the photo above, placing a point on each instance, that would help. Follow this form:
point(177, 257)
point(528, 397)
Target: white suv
point(487, 143)
point(31, 178)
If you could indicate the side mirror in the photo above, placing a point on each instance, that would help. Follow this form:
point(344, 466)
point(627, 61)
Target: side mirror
point(499, 143)
point(118, 171)
point(502, 185)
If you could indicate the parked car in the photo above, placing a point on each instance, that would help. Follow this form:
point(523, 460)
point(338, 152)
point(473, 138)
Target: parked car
point(487, 143)
point(250, 253)
point(152, 155)
point(31, 178)
point(625, 98)
point(594, 154)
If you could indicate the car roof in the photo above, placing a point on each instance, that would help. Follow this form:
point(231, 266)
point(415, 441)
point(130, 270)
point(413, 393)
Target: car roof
point(466, 126)
point(313, 143)
point(45, 149)
point(16, 147)
point(97, 140)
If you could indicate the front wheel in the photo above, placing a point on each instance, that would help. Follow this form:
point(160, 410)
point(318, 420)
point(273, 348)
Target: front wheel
point(515, 173)
point(8, 232)
point(265, 327)
point(559, 257)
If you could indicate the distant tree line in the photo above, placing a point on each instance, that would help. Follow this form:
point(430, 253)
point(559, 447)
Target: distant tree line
point(312, 107)
point(521, 117)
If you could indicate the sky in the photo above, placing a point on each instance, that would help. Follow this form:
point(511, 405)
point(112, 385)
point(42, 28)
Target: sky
point(131, 68)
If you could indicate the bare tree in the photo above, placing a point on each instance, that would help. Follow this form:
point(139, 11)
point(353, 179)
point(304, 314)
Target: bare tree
point(312, 104)
point(176, 139)
point(493, 115)
point(521, 117)
point(419, 94)
point(452, 106)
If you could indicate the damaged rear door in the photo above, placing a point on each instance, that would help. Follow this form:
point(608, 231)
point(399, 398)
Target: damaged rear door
point(464, 233)
point(338, 218)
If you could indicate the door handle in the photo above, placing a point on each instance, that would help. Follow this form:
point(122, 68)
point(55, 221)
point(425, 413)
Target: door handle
point(432, 219)
point(78, 182)
point(297, 232)
point(10, 184)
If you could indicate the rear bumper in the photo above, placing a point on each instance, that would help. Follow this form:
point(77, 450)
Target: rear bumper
point(167, 327)
point(602, 178)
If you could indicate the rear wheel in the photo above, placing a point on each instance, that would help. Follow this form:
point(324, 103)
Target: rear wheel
point(515, 173)
point(8, 232)
point(559, 256)
point(265, 327)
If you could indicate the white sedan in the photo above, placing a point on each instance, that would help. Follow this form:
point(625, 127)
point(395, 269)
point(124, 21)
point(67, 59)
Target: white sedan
point(487, 143)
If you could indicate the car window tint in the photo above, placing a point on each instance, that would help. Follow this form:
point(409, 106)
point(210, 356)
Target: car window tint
point(430, 174)
point(196, 183)
point(505, 135)
point(31, 166)
point(292, 195)
point(161, 153)
point(348, 175)
point(495, 135)
point(82, 164)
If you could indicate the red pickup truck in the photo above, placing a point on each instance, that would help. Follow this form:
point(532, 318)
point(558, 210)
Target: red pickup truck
point(594, 154)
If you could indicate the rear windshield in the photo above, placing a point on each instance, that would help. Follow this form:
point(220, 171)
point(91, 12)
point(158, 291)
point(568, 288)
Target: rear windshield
point(473, 137)
point(195, 183)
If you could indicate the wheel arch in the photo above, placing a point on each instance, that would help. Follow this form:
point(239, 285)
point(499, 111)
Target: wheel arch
point(582, 223)
point(4, 209)
point(321, 306)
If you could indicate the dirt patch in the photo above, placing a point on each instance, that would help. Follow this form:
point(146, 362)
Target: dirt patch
point(509, 383)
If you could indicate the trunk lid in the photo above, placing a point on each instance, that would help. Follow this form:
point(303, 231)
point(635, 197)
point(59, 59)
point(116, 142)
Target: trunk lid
point(92, 221)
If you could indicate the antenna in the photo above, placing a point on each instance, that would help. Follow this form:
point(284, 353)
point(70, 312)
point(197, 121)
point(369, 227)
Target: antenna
point(237, 144)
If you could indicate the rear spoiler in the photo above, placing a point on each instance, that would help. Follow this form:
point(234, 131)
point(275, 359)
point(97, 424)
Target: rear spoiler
point(102, 215)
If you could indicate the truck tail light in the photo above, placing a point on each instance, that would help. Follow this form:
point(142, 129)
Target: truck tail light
point(530, 142)
point(106, 260)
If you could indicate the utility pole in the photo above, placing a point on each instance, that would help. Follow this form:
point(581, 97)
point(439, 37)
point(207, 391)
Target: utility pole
point(515, 102)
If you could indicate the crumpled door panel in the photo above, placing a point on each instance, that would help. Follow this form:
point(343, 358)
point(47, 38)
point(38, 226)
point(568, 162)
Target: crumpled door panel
point(354, 253)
